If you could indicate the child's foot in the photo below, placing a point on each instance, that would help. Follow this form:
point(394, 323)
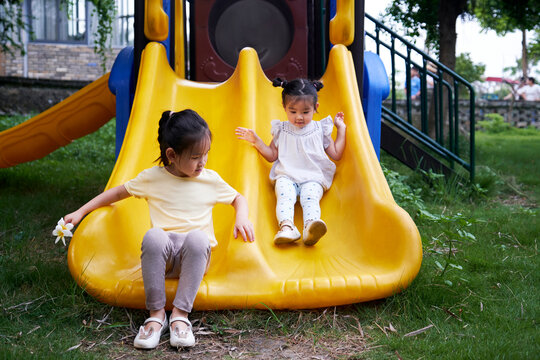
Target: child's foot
point(148, 336)
point(287, 234)
point(313, 231)
point(181, 332)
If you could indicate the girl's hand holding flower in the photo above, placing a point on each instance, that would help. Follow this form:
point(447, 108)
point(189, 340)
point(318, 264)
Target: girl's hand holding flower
point(74, 218)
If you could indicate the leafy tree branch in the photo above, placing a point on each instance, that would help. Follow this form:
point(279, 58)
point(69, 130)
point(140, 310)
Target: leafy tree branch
point(11, 26)
point(106, 14)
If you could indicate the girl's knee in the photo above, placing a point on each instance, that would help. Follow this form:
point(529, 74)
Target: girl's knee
point(311, 192)
point(155, 239)
point(197, 241)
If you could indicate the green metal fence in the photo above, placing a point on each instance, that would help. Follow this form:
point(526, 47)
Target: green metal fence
point(439, 128)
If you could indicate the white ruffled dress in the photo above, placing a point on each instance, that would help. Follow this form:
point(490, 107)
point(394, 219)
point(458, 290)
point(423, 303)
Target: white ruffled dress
point(302, 157)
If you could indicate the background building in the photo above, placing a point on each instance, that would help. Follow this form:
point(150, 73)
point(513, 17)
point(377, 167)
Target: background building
point(61, 43)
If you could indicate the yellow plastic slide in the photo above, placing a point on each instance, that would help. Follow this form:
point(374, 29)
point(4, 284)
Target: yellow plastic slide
point(80, 114)
point(372, 249)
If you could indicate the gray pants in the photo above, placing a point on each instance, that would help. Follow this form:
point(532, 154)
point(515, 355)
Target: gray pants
point(173, 255)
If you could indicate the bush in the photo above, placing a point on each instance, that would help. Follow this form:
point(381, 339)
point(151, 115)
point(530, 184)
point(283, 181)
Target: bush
point(494, 124)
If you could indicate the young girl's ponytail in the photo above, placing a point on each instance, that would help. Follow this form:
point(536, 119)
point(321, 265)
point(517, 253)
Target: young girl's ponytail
point(163, 145)
point(317, 85)
point(278, 82)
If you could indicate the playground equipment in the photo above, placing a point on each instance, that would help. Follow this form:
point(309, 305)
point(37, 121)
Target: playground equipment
point(372, 250)
point(81, 114)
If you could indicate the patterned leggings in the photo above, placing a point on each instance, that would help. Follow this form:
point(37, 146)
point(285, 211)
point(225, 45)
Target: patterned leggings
point(286, 193)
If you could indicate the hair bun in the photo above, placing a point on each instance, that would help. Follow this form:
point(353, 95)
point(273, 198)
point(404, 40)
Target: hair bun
point(317, 85)
point(278, 82)
point(165, 117)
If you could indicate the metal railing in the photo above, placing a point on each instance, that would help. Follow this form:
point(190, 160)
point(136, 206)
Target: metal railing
point(438, 126)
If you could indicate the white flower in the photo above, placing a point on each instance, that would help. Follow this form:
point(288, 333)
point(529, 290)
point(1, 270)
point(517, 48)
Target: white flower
point(62, 231)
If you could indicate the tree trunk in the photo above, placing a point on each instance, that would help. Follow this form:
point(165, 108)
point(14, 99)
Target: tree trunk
point(524, 60)
point(449, 10)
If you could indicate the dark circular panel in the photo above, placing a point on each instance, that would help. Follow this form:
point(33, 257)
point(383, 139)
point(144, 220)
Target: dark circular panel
point(264, 25)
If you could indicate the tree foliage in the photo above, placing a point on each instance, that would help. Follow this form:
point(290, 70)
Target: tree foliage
point(469, 70)
point(534, 47)
point(505, 16)
point(421, 15)
point(11, 24)
point(533, 56)
point(437, 18)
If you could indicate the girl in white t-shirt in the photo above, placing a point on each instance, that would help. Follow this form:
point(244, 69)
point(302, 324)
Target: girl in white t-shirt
point(180, 196)
point(299, 149)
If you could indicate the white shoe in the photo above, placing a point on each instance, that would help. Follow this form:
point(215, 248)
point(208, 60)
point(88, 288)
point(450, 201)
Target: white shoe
point(181, 338)
point(287, 235)
point(149, 339)
point(313, 231)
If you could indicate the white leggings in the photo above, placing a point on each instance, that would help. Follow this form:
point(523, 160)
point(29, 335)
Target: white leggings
point(286, 193)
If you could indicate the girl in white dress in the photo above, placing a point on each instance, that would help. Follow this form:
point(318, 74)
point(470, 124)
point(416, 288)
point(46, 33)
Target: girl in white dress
point(300, 149)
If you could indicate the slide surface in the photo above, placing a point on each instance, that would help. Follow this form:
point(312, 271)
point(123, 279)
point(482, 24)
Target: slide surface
point(80, 114)
point(372, 249)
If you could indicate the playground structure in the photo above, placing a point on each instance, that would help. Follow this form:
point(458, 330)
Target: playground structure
point(372, 250)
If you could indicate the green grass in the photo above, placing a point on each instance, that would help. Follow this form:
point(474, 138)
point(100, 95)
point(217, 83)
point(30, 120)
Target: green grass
point(520, 170)
point(43, 308)
point(491, 308)
point(477, 288)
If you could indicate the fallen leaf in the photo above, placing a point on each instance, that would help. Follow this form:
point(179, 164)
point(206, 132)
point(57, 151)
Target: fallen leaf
point(419, 331)
point(391, 328)
point(74, 347)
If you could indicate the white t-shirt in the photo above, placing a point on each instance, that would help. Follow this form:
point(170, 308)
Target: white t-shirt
point(530, 92)
point(181, 204)
point(301, 152)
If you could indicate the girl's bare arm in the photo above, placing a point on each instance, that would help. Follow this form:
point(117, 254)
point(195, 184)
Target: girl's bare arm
point(336, 148)
point(105, 198)
point(242, 224)
point(269, 152)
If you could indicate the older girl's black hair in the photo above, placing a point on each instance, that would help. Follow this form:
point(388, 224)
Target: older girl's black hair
point(298, 87)
point(180, 131)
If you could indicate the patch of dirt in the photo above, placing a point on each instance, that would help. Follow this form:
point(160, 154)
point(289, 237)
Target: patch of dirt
point(255, 344)
point(516, 200)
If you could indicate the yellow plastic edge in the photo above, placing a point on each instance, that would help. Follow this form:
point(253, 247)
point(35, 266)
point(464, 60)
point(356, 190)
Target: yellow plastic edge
point(342, 24)
point(156, 24)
